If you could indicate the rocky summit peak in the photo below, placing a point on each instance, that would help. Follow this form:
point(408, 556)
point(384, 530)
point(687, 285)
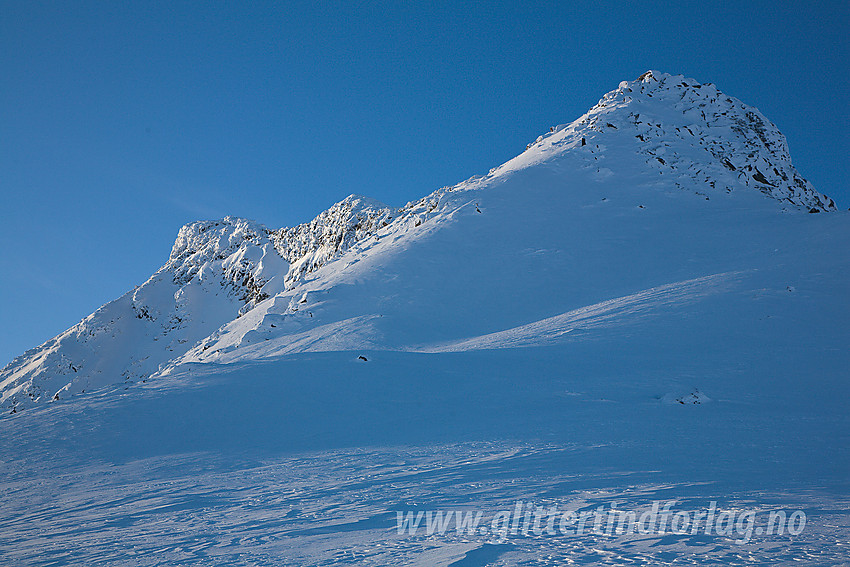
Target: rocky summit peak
point(700, 137)
point(653, 137)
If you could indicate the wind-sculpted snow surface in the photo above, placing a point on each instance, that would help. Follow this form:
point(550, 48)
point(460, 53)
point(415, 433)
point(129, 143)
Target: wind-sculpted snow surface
point(340, 507)
point(690, 136)
point(609, 313)
point(704, 140)
point(637, 308)
point(215, 269)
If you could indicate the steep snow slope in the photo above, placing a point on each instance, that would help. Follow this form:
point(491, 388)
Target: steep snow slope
point(213, 270)
point(216, 271)
point(616, 316)
point(706, 140)
point(304, 459)
point(537, 235)
point(691, 136)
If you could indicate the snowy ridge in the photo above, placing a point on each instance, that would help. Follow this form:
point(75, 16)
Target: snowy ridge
point(232, 283)
point(605, 313)
point(705, 140)
point(309, 246)
point(217, 270)
point(240, 250)
point(616, 323)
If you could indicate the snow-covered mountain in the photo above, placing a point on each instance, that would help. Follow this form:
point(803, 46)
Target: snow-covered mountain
point(638, 308)
point(217, 270)
point(658, 133)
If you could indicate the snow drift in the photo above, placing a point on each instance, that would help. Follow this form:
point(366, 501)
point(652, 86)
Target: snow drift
point(232, 282)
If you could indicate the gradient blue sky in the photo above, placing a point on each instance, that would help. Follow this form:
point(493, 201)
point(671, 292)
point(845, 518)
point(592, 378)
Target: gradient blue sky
point(120, 122)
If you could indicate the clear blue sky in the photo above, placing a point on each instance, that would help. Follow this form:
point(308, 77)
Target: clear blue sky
point(119, 122)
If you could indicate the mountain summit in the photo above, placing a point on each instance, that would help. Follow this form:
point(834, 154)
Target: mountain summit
point(635, 317)
point(699, 135)
point(651, 152)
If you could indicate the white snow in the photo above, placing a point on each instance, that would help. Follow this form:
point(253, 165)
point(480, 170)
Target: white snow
point(651, 314)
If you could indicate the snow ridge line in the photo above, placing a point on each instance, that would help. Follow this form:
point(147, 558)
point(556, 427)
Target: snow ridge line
point(608, 313)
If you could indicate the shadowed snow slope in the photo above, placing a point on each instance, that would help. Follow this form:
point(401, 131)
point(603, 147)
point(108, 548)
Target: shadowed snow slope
point(616, 193)
point(639, 306)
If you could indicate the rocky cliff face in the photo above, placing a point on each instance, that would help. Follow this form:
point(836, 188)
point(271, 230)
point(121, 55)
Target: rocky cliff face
point(702, 139)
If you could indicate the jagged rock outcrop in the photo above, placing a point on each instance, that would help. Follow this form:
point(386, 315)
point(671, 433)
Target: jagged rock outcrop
point(310, 245)
point(688, 136)
point(707, 141)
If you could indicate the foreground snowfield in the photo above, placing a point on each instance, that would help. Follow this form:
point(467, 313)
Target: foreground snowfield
point(586, 325)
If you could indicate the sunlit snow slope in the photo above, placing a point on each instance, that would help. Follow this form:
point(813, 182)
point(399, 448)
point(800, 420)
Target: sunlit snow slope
point(660, 183)
point(642, 306)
